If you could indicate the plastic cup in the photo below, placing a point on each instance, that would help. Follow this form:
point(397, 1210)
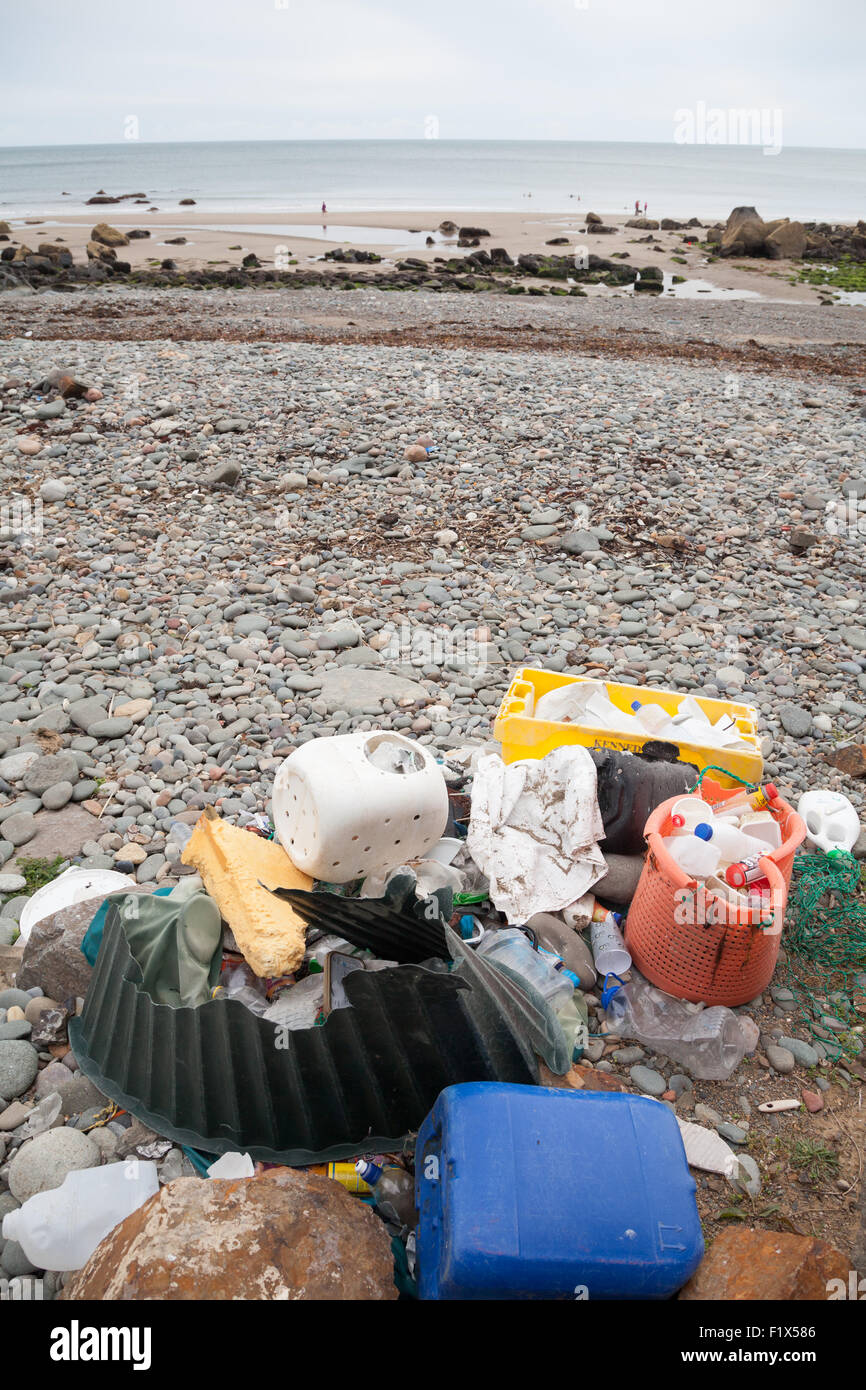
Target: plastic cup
point(608, 948)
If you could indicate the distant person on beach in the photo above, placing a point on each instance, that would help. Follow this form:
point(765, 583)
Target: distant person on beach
point(644, 208)
point(637, 207)
point(324, 208)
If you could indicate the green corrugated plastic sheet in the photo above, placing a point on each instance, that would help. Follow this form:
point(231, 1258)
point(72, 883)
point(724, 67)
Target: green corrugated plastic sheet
point(221, 1079)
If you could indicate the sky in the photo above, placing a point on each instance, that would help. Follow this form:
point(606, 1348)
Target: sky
point(483, 69)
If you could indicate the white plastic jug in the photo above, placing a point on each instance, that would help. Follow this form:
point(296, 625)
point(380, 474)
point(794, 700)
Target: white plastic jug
point(61, 1229)
point(694, 855)
point(359, 804)
point(731, 842)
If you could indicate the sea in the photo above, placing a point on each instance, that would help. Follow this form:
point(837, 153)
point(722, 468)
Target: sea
point(454, 176)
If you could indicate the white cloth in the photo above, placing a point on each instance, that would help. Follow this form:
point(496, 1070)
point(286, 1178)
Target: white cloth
point(534, 830)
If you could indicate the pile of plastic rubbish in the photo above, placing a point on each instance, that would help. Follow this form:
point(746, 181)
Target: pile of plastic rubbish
point(411, 927)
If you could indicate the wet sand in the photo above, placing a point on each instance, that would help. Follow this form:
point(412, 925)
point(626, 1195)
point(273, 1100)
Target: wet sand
point(220, 241)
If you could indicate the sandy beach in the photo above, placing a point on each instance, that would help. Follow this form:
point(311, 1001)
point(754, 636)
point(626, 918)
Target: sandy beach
point(214, 242)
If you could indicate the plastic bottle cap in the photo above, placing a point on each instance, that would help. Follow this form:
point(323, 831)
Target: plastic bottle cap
point(635, 704)
point(678, 821)
point(704, 832)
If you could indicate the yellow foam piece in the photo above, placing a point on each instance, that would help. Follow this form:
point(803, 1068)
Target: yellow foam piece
point(233, 864)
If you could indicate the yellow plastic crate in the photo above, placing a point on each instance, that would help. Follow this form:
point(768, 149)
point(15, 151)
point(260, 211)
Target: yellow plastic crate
point(522, 736)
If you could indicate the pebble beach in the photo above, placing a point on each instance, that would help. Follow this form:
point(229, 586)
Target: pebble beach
point(263, 518)
point(227, 533)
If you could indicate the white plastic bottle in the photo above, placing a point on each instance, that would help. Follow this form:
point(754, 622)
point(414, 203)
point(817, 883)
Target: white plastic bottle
point(60, 1229)
point(732, 844)
point(694, 854)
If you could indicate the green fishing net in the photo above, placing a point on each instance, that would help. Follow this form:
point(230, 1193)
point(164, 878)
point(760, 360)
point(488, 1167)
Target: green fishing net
point(825, 937)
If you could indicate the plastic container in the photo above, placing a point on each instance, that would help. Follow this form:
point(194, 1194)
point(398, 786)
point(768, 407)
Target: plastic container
point(608, 946)
point(731, 842)
point(709, 1042)
point(523, 736)
point(526, 1192)
point(60, 1229)
point(694, 853)
point(359, 804)
point(832, 823)
point(745, 871)
point(509, 947)
point(743, 800)
point(761, 825)
point(394, 1195)
point(686, 813)
point(669, 933)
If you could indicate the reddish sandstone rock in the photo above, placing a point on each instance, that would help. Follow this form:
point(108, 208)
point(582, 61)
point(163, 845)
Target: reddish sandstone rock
point(580, 1077)
point(812, 1101)
point(851, 759)
point(764, 1265)
point(286, 1235)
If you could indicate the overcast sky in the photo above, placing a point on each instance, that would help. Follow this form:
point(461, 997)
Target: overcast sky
point(487, 69)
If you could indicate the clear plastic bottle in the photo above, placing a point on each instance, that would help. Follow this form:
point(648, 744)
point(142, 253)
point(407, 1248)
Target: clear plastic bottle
point(694, 854)
point(509, 947)
point(42, 1116)
point(710, 1042)
point(60, 1229)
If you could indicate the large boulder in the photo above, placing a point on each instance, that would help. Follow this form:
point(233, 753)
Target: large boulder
point(109, 236)
point(744, 233)
point(286, 1235)
point(786, 242)
point(740, 215)
point(744, 1264)
point(97, 252)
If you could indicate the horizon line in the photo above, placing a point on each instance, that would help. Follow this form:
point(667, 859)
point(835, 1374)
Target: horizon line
point(403, 139)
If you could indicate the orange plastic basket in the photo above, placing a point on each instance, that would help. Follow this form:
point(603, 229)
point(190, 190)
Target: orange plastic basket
point(694, 944)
